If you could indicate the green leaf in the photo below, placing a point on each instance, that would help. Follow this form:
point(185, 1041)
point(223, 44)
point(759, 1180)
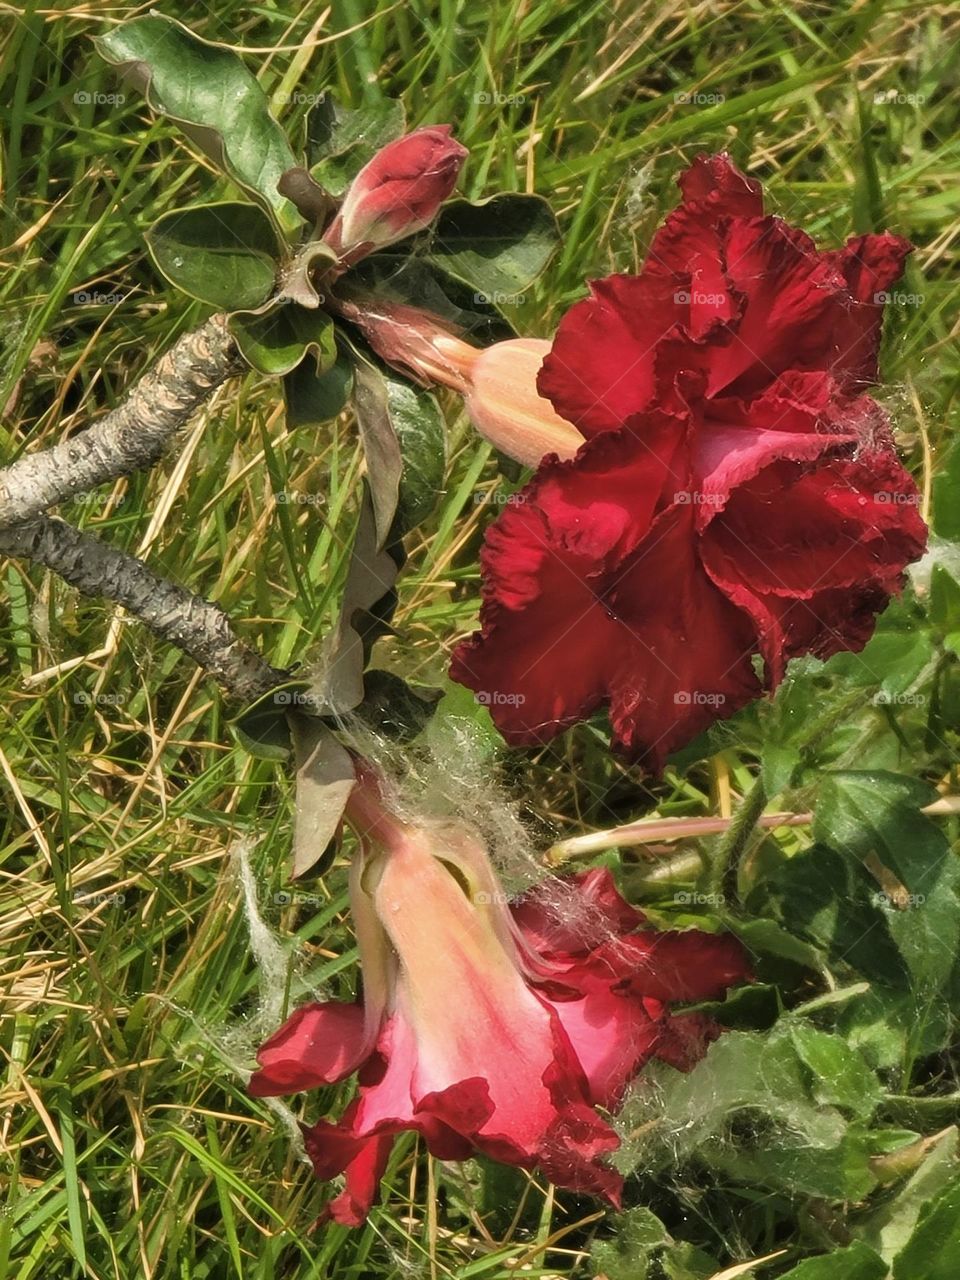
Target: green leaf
point(832, 903)
point(325, 778)
point(945, 607)
point(841, 1077)
point(410, 280)
point(394, 708)
point(748, 1111)
point(498, 247)
point(404, 444)
point(933, 1251)
point(422, 434)
point(208, 90)
point(860, 813)
point(889, 1227)
point(223, 254)
point(369, 598)
point(381, 447)
point(340, 141)
point(313, 397)
point(946, 497)
point(858, 1262)
point(275, 340)
point(638, 1239)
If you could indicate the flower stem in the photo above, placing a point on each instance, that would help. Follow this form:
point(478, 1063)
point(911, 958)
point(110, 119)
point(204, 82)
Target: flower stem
point(722, 874)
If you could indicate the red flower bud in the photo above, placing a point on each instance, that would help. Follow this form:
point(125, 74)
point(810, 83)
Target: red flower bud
point(398, 192)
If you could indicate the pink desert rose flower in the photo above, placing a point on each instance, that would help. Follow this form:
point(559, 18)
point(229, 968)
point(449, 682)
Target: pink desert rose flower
point(486, 1025)
point(731, 492)
point(398, 192)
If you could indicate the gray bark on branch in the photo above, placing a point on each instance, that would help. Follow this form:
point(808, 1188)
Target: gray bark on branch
point(196, 626)
point(133, 436)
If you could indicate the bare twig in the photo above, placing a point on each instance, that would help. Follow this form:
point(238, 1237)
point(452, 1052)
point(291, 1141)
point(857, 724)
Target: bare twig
point(196, 626)
point(133, 436)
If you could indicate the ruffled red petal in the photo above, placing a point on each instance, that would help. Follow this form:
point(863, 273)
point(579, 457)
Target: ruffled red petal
point(813, 553)
point(600, 369)
point(870, 265)
point(542, 657)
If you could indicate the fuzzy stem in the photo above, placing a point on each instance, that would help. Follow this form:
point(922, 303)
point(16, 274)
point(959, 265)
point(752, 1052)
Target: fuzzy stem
point(196, 626)
point(133, 436)
point(726, 859)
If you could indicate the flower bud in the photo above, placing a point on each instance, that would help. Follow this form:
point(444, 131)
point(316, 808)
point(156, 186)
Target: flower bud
point(398, 192)
point(507, 409)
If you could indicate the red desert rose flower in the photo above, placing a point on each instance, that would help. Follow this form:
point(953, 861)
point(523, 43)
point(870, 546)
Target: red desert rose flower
point(485, 1026)
point(398, 192)
point(737, 493)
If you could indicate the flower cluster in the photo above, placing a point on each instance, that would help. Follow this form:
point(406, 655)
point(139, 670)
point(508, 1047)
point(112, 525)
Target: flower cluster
point(488, 1025)
point(736, 494)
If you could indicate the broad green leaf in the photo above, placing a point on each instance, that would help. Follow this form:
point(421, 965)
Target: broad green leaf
point(946, 496)
point(498, 247)
point(860, 813)
point(395, 708)
point(832, 903)
point(410, 280)
point(263, 728)
point(889, 1227)
point(224, 254)
point(381, 446)
point(945, 607)
point(639, 1236)
point(208, 90)
point(748, 1111)
point(422, 434)
point(325, 778)
point(275, 340)
point(857, 1262)
point(340, 141)
point(369, 598)
point(313, 397)
point(404, 444)
point(933, 1251)
point(841, 1078)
